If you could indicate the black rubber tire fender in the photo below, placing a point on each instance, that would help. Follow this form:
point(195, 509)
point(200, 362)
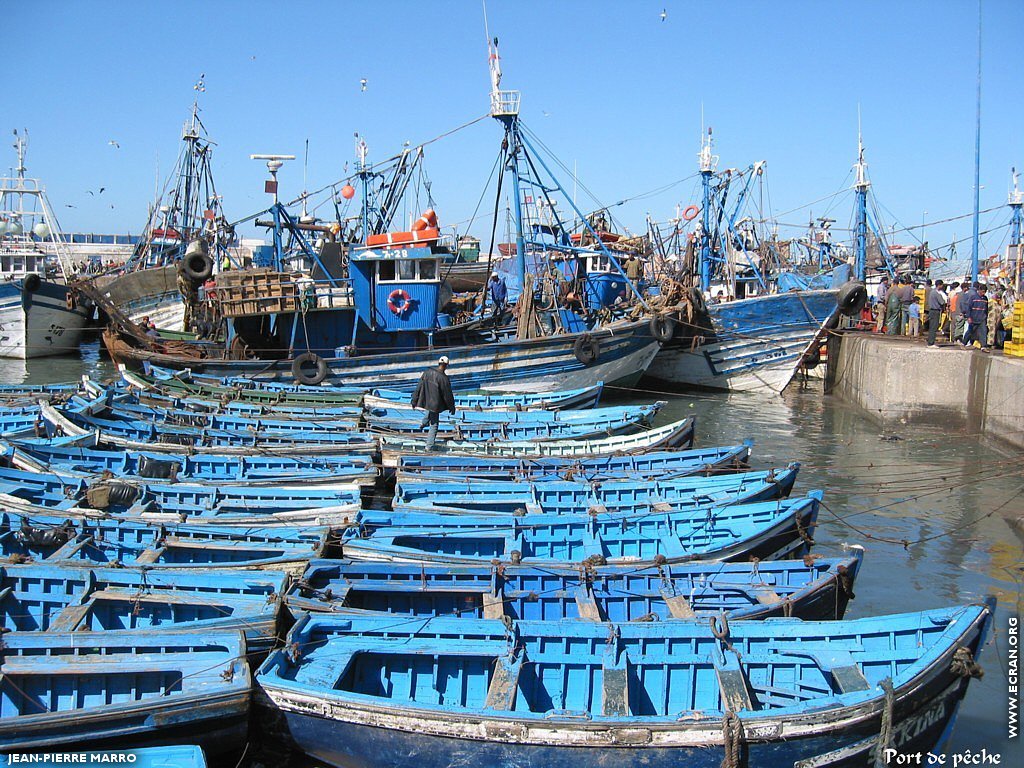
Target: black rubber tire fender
point(302, 376)
point(662, 328)
point(852, 297)
point(197, 267)
point(586, 349)
point(697, 300)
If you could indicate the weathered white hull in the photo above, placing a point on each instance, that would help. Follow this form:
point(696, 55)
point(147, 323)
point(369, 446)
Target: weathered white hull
point(757, 345)
point(38, 323)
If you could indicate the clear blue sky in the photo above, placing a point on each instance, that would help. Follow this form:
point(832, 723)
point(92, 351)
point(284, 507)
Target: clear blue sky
point(609, 86)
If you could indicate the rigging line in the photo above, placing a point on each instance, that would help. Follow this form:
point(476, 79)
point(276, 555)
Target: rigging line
point(949, 532)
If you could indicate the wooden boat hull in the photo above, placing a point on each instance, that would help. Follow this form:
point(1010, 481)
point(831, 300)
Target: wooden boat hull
point(742, 591)
point(38, 323)
point(844, 730)
point(73, 671)
point(587, 397)
point(657, 465)
point(675, 435)
point(533, 365)
point(756, 347)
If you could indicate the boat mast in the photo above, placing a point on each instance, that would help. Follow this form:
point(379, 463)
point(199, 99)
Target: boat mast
point(1016, 201)
point(364, 175)
point(707, 171)
point(977, 164)
point(861, 189)
point(505, 109)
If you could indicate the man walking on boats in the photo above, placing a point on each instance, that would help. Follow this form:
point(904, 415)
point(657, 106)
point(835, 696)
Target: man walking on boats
point(499, 294)
point(434, 394)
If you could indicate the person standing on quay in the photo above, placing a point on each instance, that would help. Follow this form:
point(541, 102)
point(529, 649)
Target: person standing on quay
point(937, 302)
point(880, 297)
point(434, 394)
point(914, 318)
point(892, 310)
point(963, 306)
point(907, 297)
point(977, 318)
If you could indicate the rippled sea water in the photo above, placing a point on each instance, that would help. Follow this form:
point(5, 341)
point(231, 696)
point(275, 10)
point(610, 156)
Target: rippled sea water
point(931, 508)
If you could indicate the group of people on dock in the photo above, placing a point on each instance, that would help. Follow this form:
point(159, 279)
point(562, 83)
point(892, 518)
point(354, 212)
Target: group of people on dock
point(968, 313)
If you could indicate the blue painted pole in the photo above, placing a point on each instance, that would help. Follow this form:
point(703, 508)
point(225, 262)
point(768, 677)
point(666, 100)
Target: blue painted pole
point(515, 145)
point(861, 248)
point(977, 164)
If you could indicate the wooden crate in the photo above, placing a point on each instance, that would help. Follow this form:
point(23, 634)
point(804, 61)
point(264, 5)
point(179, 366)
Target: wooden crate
point(256, 292)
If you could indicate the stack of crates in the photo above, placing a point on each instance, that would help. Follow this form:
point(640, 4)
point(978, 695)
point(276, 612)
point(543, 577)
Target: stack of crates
point(1015, 347)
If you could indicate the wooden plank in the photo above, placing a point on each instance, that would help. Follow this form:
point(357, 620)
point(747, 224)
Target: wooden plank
point(586, 604)
point(615, 684)
point(501, 693)
point(494, 604)
point(733, 683)
point(678, 605)
point(69, 618)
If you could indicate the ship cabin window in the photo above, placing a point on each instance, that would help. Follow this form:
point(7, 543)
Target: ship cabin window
point(406, 270)
point(600, 263)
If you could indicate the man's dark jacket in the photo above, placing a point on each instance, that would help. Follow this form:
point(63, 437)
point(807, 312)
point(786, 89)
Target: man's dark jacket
point(434, 392)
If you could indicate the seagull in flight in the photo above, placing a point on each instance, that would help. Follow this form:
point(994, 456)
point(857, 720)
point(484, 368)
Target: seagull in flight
point(362, 84)
point(200, 84)
point(664, 14)
point(69, 205)
point(114, 144)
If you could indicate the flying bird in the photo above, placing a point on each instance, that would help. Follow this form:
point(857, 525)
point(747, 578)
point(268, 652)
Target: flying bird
point(90, 192)
point(114, 144)
point(101, 190)
point(362, 84)
point(200, 84)
point(69, 205)
point(664, 14)
point(545, 113)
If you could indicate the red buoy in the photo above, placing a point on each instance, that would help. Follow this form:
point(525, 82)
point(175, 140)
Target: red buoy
point(348, 191)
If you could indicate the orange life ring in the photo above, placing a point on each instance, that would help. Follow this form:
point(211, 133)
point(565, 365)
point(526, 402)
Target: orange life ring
point(427, 221)
point(690, 212)
point(398, 295)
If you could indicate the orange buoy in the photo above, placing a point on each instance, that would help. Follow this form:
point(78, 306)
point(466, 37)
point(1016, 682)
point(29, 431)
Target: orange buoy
point(348, 191)
point(427, 221)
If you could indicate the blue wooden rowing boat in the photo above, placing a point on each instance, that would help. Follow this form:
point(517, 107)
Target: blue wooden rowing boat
point(177, 756)
point(128, 407)
point(59, 598)
point(585, 397)
point(94, 690)
point(76, 456)
point(819, 589)
point(519, 425)
point(135, 434)
point(656, 465)
point(241, 390)
point(436, 692)
point(675, 435)
point(766, 530)
point(104, 542)
point(56, 494)
point(566, 498)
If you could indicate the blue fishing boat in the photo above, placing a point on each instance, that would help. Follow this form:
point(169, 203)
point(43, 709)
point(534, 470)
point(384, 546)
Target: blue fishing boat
point(755, 343)
point(60, 598)
point(179, 756)
point(86, 541)
point(766, 530)
point(520, 425)
point(675, 435)
point(49, 493)
point(128, 407)
point(135, 434)
point(383, 318)
point(585, 397)
point(656, 465)
point(562, 497)
point(431, 692)
point(186, 383)
point(73, 691)
point(78, 456)
point(818, 589)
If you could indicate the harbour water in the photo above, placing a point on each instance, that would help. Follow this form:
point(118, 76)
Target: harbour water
point(931, 508)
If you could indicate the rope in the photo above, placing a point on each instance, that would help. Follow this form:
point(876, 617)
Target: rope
point(964, 665)
point(732, 737)
point(885, 731)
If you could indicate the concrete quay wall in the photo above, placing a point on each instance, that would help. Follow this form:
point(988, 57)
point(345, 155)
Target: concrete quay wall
point(896, 380)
